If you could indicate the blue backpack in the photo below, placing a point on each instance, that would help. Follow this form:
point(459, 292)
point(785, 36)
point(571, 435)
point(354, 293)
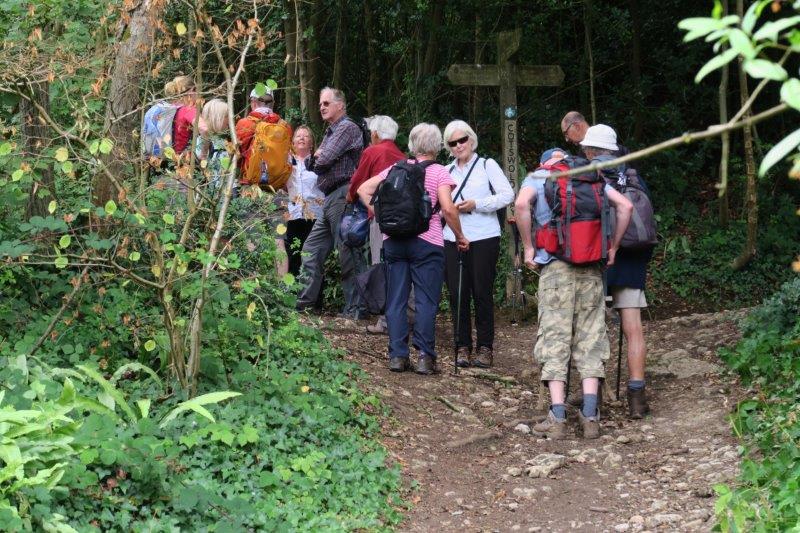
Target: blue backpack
point(157, 129)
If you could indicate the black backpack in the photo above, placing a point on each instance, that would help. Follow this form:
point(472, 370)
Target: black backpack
point(403, 207)
point(366, 135)
point(642, 232)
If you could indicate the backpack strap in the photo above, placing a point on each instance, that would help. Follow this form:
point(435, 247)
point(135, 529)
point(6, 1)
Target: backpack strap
point(464, 183)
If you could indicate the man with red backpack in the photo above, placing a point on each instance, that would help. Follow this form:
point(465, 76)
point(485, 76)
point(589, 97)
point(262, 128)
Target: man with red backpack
point(571, 300)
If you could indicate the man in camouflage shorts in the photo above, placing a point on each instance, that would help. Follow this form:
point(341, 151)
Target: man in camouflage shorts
point(571, 315)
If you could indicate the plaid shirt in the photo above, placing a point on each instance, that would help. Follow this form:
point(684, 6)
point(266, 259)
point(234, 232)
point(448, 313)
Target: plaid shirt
point(338, 155)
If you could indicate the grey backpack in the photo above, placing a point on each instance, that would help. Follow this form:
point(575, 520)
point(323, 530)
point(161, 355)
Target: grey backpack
point(642, 231)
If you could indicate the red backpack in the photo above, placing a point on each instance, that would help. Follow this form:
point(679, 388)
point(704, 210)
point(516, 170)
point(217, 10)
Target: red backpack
point(579, 231)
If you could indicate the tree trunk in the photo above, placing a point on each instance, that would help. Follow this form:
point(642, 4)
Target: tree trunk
point(34, 140)
point(338, 60)
point(636, 70)
point(722, 185)
point(751, 198)
point(372, 56)
point(313, 82)
point(290, 39)
point(429, 63)
point(587, 31)
point(122, 120)
point(473, 91)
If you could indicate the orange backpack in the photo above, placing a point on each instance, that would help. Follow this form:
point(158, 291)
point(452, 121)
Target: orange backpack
point(269, 155)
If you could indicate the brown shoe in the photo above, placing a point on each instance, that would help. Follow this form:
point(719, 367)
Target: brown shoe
point(379, 327)
point(551, 427)
point(426, 364)
point(590, 426)
point(637, 404)
point(463, 357)
point(484, 358)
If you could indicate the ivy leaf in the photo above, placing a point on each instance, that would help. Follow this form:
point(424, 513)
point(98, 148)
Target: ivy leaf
point(94, 147)
point(66, 167)
point(790, 92)
point(106, 145)
point(52, 206)
point(62, 154)
point(135, 256)
point(5, 148)
point(779, 151)
point(761, 68)
point(180, 28)
point(168, 218)
point(64, 241)
point(150, 345)
point(61, 262)
point(110, 207)
point(17, 174)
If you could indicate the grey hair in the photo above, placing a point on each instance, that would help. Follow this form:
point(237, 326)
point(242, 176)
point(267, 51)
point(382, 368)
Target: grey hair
point(384, 127)
point(597, 151)
point(338, 95)
point(425, 139)
point(460, 125)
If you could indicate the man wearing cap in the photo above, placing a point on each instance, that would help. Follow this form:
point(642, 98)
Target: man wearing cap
point(571, 307)
point(334, 162)
point(260, 109)
point(626, 278)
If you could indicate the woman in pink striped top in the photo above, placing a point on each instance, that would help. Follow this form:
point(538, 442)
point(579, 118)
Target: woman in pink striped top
point(418, 260)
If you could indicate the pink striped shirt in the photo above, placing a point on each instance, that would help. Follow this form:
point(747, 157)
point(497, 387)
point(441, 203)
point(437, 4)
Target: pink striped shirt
point(435, 176)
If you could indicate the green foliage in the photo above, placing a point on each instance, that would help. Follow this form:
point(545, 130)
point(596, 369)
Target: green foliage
point(693, 261)
point(768, 360)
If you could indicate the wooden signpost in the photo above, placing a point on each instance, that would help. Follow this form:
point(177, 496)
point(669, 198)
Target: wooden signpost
point(508, 76)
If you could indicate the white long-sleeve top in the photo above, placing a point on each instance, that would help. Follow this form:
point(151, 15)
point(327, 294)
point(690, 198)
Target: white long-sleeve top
point(482, 222)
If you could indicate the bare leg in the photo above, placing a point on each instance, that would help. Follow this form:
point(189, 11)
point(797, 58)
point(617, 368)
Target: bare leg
point(557, 391)
point(634, 335)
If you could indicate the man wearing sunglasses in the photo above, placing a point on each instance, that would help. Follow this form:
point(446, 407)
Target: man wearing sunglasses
point(334, 162)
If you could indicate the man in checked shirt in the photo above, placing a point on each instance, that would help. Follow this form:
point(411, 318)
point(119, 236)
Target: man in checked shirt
point(334, 162)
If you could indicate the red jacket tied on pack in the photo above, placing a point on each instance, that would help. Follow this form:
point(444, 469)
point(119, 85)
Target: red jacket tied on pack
point(374, 160)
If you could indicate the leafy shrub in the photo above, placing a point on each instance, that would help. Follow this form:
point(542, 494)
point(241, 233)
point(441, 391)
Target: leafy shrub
point(767, 358)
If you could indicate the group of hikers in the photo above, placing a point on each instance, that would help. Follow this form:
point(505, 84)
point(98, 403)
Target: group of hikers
point(427, 224)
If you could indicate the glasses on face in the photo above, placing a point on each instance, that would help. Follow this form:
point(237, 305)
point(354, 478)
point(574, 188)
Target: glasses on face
point(462, 140)
point(566, 131)
point(324, 104)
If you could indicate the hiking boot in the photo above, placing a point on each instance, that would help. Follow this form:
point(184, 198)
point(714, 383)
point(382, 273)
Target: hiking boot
point(426, 364)
point(399, 364)
point(637, 404)
point(551, 427)
point(463, 357)
point(590, 426)
point(484, 358)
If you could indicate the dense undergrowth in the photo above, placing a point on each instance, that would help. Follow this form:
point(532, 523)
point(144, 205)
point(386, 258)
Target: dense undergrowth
point(95, 433)
point(768, 423)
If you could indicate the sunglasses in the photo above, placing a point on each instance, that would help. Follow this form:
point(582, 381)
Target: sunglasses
point(462, 140)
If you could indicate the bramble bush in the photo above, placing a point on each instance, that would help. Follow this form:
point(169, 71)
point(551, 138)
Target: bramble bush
point(768, 360)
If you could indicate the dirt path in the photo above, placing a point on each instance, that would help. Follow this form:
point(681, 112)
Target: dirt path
point(652, 474)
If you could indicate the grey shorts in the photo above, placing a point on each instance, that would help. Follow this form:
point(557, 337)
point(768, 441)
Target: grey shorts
point(627, 298)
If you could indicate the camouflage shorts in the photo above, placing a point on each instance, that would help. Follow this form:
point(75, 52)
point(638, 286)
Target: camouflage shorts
point(571, 321)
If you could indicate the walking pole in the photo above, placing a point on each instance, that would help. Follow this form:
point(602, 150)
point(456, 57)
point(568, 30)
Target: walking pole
point(458, 311)
point(619, 354)
point(517, 281)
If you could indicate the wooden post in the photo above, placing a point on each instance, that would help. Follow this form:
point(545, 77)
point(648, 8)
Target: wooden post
point(507, 76)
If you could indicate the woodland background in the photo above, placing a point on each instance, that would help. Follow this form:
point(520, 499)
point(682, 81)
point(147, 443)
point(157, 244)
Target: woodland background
point(126, 310)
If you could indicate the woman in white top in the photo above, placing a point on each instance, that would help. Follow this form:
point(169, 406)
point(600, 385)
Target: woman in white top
point(481, 190)
point(305, 198)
